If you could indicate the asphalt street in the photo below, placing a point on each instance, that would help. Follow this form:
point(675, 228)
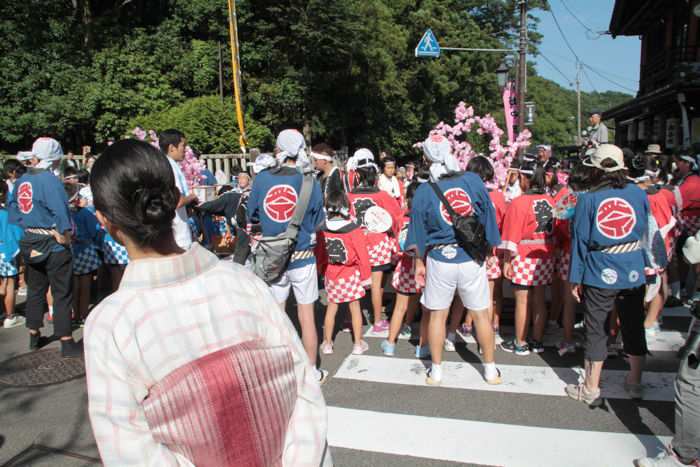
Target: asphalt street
point(382, 414)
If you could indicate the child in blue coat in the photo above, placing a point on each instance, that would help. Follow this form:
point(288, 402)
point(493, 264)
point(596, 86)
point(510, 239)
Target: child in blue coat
point(9, 249)
point(87, 235)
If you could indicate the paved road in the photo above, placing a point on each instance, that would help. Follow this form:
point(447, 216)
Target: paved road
point(382, 414)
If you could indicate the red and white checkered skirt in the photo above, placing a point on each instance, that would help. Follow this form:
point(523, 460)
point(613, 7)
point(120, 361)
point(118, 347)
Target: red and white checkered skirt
point(345, 290)
point(383, 252)
point(563, 265)
point(690, 225)
point(404, 278)
point(533, 271)
point(493, 268)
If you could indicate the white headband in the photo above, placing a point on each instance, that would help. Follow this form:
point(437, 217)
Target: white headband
point(321, 157)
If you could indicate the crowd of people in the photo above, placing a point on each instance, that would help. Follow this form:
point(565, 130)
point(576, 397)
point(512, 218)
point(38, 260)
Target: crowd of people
point(602, 230)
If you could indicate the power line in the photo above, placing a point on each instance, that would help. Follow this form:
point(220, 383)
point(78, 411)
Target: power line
point(626, 78)
point(596, 35)
point(610, 80)
point(551, 63)
point(563, 36)
point(590, 81)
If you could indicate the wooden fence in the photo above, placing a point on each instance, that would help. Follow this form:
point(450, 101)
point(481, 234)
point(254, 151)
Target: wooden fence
point(227, 163)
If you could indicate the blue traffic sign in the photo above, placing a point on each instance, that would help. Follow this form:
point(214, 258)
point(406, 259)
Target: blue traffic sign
point(428, 45)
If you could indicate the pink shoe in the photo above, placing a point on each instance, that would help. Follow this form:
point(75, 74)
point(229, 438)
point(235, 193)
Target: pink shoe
point(359, 349)
point(381, 326)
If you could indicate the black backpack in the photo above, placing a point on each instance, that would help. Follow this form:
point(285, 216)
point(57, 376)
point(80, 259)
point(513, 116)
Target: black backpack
point(470, 233)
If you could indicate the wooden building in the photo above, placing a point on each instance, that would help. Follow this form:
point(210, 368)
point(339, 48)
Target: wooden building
point(667, 107)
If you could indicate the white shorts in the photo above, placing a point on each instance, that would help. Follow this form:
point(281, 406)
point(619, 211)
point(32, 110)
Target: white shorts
point(443, 279)
point(304, 282)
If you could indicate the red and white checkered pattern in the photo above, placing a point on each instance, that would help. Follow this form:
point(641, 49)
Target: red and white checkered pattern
point(690, 225)
point(382, 253)
point(345, 289)
point(404, 278)
point(563, 265)
point(493, 268)
point(533, 271)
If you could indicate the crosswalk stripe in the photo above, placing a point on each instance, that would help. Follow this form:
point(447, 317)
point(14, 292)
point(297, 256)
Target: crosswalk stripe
point(484, 442)
point(537, 380)
point(664, 341)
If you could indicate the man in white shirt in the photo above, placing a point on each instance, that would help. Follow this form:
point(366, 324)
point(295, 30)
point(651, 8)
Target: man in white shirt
point(173, 143)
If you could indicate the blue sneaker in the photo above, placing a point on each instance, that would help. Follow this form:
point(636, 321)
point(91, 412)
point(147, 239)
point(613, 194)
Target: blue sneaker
point(388, 348)
point(512, 347)
point(423, 352)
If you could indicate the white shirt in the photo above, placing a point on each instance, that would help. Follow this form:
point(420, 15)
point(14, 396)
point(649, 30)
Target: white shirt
point(167, 313)
point(183, 235)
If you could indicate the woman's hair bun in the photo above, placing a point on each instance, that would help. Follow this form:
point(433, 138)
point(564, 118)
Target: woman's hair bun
point(133, 185)
point(156, 206)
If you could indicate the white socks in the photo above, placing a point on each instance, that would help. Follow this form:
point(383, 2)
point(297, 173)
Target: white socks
point(490, 371)
point(436, 372)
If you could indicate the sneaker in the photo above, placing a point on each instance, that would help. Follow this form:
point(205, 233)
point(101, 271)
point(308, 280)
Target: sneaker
point(381, 326)
point(580, 325)
point(429, 380)
point(512, 347)
point(580, 392)
point(322, 375)
point(388, 348)
point(449, 346)
point(673, 302)
point(359, 349)
point(14, 321)
point(668, 458)
point(497, 337)
point(566, 347)
point(326, 348)
point(635, 391)
point(423, 351)
point(496, 380)
point(406, 331)
point(536, 346)
point(71, 349)
point(465, 330)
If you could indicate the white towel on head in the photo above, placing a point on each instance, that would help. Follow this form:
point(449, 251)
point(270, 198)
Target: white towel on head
point(439, 152)
point(360, 159)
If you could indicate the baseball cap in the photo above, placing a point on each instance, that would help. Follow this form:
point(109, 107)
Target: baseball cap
point(606, 151)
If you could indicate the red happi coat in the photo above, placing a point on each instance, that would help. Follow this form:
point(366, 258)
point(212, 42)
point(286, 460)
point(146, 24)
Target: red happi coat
point(362, 199)
point(662, 208)
point(528, 226)
point(344, 251)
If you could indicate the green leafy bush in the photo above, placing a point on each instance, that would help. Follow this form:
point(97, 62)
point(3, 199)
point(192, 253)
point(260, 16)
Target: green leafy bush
point(210, 126)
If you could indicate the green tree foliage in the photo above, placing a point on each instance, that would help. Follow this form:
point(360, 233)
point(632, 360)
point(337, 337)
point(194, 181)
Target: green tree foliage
point(555, 122)
point(341, 70)
point(209, 125)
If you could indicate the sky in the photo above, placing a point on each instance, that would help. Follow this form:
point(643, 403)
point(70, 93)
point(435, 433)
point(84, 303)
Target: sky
point(617, 60)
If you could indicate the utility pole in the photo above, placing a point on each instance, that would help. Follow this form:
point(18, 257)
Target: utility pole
point(221, 73)
point(578, 103)
point(522, 73)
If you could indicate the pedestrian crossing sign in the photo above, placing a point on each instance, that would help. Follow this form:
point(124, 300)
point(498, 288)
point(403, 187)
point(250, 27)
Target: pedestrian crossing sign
point(428, 45)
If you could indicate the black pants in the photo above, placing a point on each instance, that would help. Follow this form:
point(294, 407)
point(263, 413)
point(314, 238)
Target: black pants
point(598, 304)
point(56, 271)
